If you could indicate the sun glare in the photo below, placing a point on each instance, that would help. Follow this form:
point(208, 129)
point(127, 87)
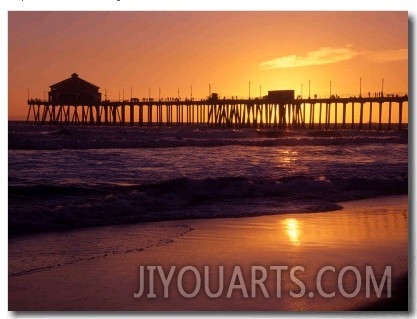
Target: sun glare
point(293, 230)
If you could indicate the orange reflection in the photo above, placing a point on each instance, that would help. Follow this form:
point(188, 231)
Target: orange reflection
point(288, 156)
point(293, 230)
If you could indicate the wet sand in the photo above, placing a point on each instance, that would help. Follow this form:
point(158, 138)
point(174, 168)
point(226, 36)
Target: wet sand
point(371, 232)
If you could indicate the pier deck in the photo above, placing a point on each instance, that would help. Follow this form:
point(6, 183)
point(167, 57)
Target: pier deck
point(350, 112)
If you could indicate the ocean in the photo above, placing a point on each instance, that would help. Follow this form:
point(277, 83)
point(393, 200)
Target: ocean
point(69, 182)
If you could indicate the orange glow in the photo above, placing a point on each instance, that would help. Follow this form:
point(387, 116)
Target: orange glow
point(144, 53)
point(292, 228)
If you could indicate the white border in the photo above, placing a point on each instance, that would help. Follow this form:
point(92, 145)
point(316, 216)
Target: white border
point(256, 5)
point(162, 5)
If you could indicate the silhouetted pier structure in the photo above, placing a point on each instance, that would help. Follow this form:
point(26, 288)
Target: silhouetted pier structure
point(264, 112)
point(77, 101)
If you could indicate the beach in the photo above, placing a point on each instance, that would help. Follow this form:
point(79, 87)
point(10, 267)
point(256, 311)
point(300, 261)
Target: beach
point(370, 232)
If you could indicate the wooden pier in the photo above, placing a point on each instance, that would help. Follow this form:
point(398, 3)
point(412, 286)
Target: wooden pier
point(323, 113)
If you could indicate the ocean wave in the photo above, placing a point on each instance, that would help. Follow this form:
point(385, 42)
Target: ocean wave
point(123, 137)
point(42, 208)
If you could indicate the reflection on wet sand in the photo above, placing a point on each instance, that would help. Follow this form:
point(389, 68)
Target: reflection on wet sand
point(365, 233)
point(293, 230)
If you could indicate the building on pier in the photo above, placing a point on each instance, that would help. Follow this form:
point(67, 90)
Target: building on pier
point(285, 96)
point(79, 102)
point(74, 91)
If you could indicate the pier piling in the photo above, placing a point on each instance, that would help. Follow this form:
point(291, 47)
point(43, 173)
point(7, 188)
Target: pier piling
point(259, 112)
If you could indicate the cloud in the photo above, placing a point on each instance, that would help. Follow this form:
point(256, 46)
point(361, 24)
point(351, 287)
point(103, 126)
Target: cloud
point(325, 55)
point(328, 55)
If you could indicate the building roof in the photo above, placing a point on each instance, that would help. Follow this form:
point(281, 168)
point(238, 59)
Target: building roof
point(74, 80)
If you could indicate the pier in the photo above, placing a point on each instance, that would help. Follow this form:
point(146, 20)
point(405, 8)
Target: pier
point(266, 112)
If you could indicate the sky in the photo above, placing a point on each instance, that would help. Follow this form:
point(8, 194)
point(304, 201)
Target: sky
point(174, 51)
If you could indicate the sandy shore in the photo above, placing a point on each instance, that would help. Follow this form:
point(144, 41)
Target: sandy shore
point(370, 232)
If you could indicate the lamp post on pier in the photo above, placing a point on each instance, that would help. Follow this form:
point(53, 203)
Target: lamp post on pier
point(330, 88)
point(382, 88)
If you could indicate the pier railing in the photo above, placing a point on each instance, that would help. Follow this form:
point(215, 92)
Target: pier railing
point(363, 112)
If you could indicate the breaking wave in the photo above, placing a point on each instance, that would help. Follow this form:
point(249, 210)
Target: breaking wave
point(64, 207)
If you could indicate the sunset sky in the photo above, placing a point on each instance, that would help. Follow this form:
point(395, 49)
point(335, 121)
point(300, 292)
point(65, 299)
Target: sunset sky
point(146, 50)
